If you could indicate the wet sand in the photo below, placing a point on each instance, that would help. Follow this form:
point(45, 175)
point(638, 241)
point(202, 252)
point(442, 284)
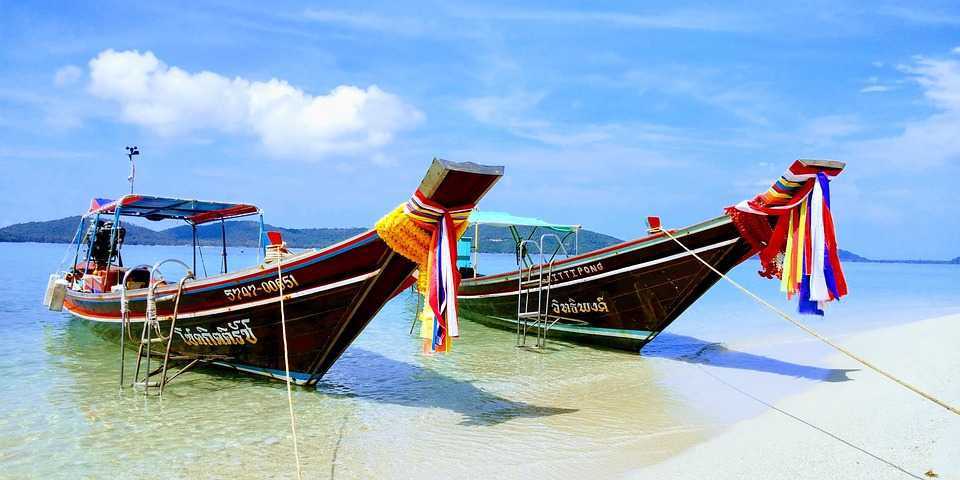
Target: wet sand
point(869, 412)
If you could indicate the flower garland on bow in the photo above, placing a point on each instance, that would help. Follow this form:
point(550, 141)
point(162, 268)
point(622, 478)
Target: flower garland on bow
point(802, 249)
point(426, 233)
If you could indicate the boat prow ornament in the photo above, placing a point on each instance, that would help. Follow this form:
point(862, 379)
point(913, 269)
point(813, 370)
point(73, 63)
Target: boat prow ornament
point(791, 226)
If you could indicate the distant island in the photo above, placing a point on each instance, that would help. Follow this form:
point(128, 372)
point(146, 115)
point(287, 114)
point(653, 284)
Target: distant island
point(244, 234)
point(853, 257)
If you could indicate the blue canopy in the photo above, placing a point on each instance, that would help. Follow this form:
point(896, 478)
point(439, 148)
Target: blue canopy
point(164, 208)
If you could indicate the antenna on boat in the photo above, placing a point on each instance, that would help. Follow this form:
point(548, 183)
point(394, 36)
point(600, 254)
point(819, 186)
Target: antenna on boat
point(132, 152)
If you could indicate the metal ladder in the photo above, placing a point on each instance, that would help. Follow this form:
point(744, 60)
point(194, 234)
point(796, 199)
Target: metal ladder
point(538, 318)
point(151, 324)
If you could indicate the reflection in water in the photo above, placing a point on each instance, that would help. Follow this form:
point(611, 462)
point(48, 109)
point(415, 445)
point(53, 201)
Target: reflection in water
point(693, 350)
point(494, 398)
point(384, 410)
point(366, 374)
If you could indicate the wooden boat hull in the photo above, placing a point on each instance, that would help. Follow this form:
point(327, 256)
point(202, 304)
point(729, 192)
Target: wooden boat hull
point(330, 295)
point(620, 296)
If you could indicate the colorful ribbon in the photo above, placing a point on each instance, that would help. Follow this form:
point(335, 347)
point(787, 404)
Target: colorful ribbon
point(426, 232)
point(802, 249)
point(443, 278)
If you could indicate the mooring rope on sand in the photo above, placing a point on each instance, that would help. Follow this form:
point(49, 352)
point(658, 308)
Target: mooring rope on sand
point(812, 332)
point(811, 425)
point(286, 366)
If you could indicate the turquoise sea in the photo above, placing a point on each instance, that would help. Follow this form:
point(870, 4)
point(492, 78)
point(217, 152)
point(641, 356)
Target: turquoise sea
point(487, 410)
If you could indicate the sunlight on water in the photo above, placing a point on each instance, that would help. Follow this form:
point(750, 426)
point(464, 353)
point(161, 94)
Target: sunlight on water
point(385, 410)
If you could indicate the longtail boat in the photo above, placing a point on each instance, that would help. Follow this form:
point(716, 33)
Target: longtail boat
point(624, 295)
point(234, 319)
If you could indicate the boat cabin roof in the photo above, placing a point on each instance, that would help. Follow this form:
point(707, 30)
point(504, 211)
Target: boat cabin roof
point(504, 219)
point(166, 208)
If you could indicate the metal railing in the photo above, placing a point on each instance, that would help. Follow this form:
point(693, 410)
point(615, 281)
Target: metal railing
point(151, 324)
point(540, 318)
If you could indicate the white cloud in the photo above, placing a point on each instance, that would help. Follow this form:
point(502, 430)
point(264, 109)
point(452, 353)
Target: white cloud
point(875, 89)
point(382, 160)
point(517, 113)
point(503, 109)
point(367, 21)
point(728, 92)
point(828, 128)
point(514, 113)
point(67, 75)
point(706, 20)
point(940, 79)
point(288, 121)
point(956, 50)
point(928, 141)
point(700, 20)
point(920, 16)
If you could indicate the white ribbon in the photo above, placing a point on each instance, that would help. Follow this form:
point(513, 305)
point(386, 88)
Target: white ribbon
point(818, 281)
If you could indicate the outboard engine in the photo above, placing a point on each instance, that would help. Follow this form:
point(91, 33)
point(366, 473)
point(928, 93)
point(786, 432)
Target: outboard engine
point(102, 252)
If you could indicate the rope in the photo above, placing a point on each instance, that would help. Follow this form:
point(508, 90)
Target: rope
point(202, 261)
point(812, 332)
point(819, 429)
point(286, 366)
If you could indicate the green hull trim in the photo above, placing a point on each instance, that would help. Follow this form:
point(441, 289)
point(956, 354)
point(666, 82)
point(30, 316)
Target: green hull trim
point(594, 331)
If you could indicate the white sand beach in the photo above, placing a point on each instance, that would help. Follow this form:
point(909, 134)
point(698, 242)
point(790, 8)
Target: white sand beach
point(870, 412)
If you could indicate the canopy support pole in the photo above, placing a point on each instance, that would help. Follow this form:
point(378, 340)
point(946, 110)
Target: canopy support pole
point(93, 237)
point(260, 245)
point(194, 228)
point(113, 239)
point(476, 248)
point(223, 239)
point(79, 240)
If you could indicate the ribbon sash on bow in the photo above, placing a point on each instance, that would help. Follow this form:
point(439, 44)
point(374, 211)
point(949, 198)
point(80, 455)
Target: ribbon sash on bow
point(804, 237)
point(440, 268)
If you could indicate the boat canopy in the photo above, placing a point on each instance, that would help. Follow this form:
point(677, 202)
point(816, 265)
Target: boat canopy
point(504, 219)
point(166, 208)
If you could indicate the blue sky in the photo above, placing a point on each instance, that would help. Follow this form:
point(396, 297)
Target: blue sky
point(327, 114)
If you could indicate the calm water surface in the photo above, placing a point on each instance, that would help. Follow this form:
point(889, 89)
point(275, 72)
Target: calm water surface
point(386, 411)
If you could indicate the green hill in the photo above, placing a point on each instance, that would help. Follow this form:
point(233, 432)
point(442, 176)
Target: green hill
point(499, 240)
point(63, 230)
point(847, 256)
point(244, 234)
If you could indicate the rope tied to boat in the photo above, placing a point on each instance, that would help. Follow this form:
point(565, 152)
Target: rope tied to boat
point(813, 332)
point(426, 233)
point(286, 366)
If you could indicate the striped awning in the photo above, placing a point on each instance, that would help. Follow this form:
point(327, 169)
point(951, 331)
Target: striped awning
point(166, 208)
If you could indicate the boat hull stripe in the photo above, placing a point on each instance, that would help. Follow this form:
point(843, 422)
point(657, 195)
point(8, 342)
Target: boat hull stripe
point(594, 331)
point(607, 274)
point(233, 308)
point(204, 285)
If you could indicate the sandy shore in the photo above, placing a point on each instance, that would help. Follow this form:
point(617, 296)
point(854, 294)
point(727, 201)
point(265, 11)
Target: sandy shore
point(870, 412)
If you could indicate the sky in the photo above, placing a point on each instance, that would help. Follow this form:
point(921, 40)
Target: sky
point(328, 114)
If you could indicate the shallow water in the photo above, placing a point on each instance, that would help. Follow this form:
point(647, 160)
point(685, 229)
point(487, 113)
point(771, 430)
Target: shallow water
point(488, 409)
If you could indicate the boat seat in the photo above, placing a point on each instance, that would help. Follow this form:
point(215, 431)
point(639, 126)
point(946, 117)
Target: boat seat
point(98, 280)
point(138, 279)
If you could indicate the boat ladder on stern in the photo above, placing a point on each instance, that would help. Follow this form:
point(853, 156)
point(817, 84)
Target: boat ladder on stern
point(151, 325)
point(531, 279)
